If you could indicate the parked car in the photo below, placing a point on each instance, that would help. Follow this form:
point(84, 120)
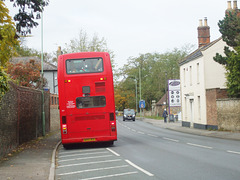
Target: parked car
point(128, 114)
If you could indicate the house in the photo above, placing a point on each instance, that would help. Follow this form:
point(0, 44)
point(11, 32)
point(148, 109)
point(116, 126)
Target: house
point(202, 81)
point(49, 72)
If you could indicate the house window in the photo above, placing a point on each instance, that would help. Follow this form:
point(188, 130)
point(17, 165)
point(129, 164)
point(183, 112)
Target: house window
point(198, 73)
point(184, 77)
point(190, 71)
point(199, 108)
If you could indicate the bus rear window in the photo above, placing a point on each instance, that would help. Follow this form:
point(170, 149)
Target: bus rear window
point(90, 102)
point(79, 66)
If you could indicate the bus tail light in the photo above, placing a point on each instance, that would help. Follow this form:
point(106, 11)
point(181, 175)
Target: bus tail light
point(64, 125)
point(103, 78)
point(64, 128)
point(67, 80)
point(113, 126)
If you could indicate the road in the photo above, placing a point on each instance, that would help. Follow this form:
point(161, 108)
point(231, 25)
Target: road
point(144, 151)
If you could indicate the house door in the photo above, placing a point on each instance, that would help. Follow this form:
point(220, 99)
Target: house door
point(192, 111)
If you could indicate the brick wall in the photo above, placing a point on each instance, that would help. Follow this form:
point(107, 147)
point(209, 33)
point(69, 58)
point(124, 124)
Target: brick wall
point(21, 117)
point(211, 96)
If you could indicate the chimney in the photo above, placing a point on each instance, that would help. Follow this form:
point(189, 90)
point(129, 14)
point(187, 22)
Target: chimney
point(59, 51)
point(234, 9)
point(203, 33)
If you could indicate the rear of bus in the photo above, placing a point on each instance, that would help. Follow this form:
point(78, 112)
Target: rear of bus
point(86, 98)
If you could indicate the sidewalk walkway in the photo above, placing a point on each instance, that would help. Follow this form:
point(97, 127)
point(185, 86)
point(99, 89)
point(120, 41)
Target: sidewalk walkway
point(31, 163)
point(177, 126)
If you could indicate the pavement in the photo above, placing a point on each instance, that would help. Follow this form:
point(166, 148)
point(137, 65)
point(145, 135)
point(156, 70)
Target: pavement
point(32, 160)
point(177, 126)
point(35, 160)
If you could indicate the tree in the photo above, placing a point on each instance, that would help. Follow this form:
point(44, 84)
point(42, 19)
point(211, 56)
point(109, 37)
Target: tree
point(152, 67)
point(8, 40)
point(3, 83)
point(230, 30)
point(83, 44)
point(27, 74)
point(29, 10)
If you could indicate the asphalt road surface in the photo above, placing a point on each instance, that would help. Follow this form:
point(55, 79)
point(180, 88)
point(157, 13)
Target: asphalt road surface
point(144, 151)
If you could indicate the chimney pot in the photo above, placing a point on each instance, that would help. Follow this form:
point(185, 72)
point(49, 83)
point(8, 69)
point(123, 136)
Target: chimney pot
point(235, 5)
point(200, 23)
point(205, 21)
point(229, 5)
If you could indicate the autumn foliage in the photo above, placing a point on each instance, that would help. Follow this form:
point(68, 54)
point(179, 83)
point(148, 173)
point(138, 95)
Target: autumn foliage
point(25, 74)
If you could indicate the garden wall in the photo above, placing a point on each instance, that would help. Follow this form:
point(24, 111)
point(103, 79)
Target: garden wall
point(228, 111)
point(21, 117)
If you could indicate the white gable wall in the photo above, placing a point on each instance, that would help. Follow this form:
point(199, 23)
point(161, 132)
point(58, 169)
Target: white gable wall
point(214, 72)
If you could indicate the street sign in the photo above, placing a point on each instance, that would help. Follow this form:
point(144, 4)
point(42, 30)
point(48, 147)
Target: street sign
point(142, 104)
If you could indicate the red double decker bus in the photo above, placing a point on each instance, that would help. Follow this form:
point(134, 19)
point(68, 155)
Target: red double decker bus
point(86, 98)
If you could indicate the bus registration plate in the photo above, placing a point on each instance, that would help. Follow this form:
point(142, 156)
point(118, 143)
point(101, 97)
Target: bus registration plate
point(89, 140)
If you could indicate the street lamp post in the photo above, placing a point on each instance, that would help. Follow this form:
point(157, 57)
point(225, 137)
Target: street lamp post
point(140, 91)
point(43, 112)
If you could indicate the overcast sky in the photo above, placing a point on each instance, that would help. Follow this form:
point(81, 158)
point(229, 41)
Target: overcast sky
point(131, 27)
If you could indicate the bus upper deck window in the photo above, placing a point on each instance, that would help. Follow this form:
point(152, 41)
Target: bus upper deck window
point(86, 65)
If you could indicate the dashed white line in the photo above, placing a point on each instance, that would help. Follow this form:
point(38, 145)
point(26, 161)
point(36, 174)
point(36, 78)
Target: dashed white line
point(137, 167)
point(152, 135)
point(113, 152)
point(96, 162)
point(90, 170)
point(93, 157)
point(112, 175)
point(169, 139)
point(234, 152)
point(139, 132)
point(198, 145)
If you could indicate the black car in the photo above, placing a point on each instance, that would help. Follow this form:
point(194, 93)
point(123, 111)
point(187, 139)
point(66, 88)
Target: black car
point(128, 114)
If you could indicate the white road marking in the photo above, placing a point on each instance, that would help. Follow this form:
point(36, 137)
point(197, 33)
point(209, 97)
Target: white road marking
point(76, 151)
point(93, 157)
point(113, 152)
point(169, 139)
point(197, 145)
point(83, 154)
point(139, 132)
point(90, 170)
point(112, 175)
point(152, 135)
point(133, 130)
point(234, 152)
point(137, 167)
point(96, 162)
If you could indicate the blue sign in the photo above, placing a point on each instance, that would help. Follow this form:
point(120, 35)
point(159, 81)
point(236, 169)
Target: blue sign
point(142, 104)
